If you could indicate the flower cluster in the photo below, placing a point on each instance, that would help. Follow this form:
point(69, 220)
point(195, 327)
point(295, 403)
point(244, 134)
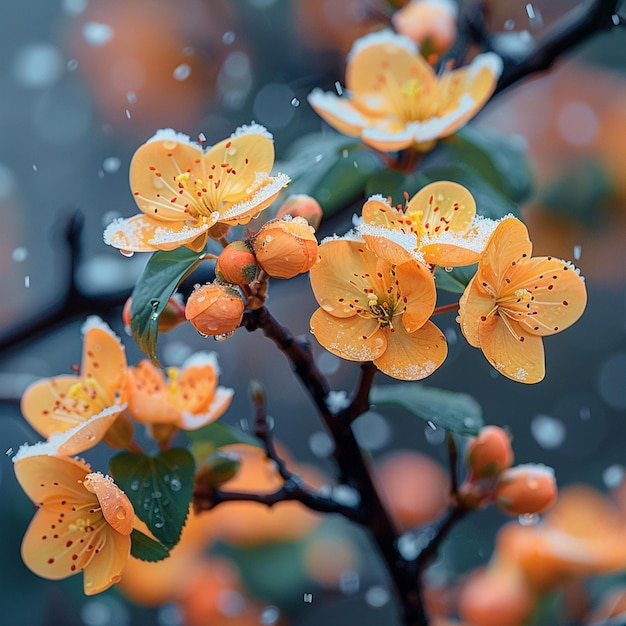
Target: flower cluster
point(84, 520)
point(376, 287)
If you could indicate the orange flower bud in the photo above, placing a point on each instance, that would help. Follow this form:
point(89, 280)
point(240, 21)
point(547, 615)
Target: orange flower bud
point(236, 264)
point(430, 23)
point(489, 453)
point(286, 248)
point(215, 309)
point(301, 205)
point(172, 315)
point(525, 489)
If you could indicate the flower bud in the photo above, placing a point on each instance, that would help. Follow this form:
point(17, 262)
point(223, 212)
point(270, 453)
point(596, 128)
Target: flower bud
point(430, 23)
point(236, 264)
point(286, 248)
point(525, 489)
point(172, 315)
point(489, 453)
point(215, 309)
point(301, 205)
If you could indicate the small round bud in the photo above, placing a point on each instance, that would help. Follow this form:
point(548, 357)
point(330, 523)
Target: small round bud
point(286, 248)
point(215, 309)
point(525, 489)
point(301, 205)
point(236, 264)
point(430, 23)
point(489, 453)
point(172, 315)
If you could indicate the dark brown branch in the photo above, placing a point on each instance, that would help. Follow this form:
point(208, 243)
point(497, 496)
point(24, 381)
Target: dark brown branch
point(353, 470)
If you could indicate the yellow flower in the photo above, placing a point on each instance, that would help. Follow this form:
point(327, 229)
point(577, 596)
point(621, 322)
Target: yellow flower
point(63, 404)
point(376, 308)
point(186, 194)
point(439, 222)
point(514, 300)
point(83, 522)
point(395, 100)
point(188, 398)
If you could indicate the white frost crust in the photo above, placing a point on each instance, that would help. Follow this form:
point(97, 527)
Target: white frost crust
point(252, 129)
point(163, 234)
point(200, 359)
point(268, 190)
point(386, 36)
point(489, 60)
point(169, 134)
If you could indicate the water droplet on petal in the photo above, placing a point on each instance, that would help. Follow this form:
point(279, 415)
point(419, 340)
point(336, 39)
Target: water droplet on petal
point(127, 253)
point(528, 519)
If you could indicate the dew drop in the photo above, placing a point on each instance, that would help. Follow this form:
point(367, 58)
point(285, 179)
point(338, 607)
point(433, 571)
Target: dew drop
point(223, 336)
point(134, 486)
point(175, 484)
point(182, 72)
point(528, 519)
point(158, 524)
point(19, 254)
point(448, 268)
point(295, 102)
point(577, 252)
point(204, 335)
point(228, 38)
point(27, 281)
point(9, 451)
point(127, 253)
point(120, 513)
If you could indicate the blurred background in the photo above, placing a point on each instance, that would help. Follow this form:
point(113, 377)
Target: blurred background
point(84, 82)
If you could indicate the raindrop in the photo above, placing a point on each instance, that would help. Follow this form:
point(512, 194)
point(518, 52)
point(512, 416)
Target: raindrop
point(349, 582)
point(19, 254)
point(295, 102)
point(308, 598)
point(319, 157)
point(548, 431)
point(534, 16)
point(154, 303)
point(35, 168)
point(228, 37)
point(528, 519)
point(27, 281)
point(434, 435)
point(175, 484)
point(9, 452)
point(320, 444)
point(111, 164)
point(243, 424)
point(448, 269)
point(338, 88)
point(223, 336)
point(96, 34)
point(134, 486)
point(127, 114)
point(616, 19)
point(201, 138)
point(203, 335)
point(270, 615)
point(182, 72)
point(613, 476)
point(577, 251)
point(127, 253)
point(509, 24)
point(72, 65)
point(158, 524)
point(377, 596)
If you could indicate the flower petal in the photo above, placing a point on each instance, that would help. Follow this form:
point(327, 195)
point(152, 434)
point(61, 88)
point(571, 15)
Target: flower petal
point(353, 338)
point(514, 353)
point(196, 387)
point(46, 408)
point(558, 291)
point(105, 569)
point(115, 505)
point(153, 172)
point(413, 356)
point(474, 306)
point(104, 358)
point(508, 244)
point(340, 293)
point(141, 233)
point(391, 134)
point(341, 113)
point(445, 206)
point(477, 80)
point(417, 288)
point(220, 402)
point(231, 166)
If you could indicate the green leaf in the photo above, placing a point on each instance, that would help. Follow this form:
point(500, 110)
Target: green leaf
point(457, 412)
point(456, 280)
point(159, 280)
point(218, 435)
point(159, 487)
point(500, 160)
point(145, 548)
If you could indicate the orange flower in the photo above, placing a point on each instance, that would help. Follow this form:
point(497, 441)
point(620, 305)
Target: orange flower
point(439, 222)
point(514, 300)
point(189, 398)
point(376, 308)
point(185, 192)
point(64, 403)
point(395, 99)
point(83, 522)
